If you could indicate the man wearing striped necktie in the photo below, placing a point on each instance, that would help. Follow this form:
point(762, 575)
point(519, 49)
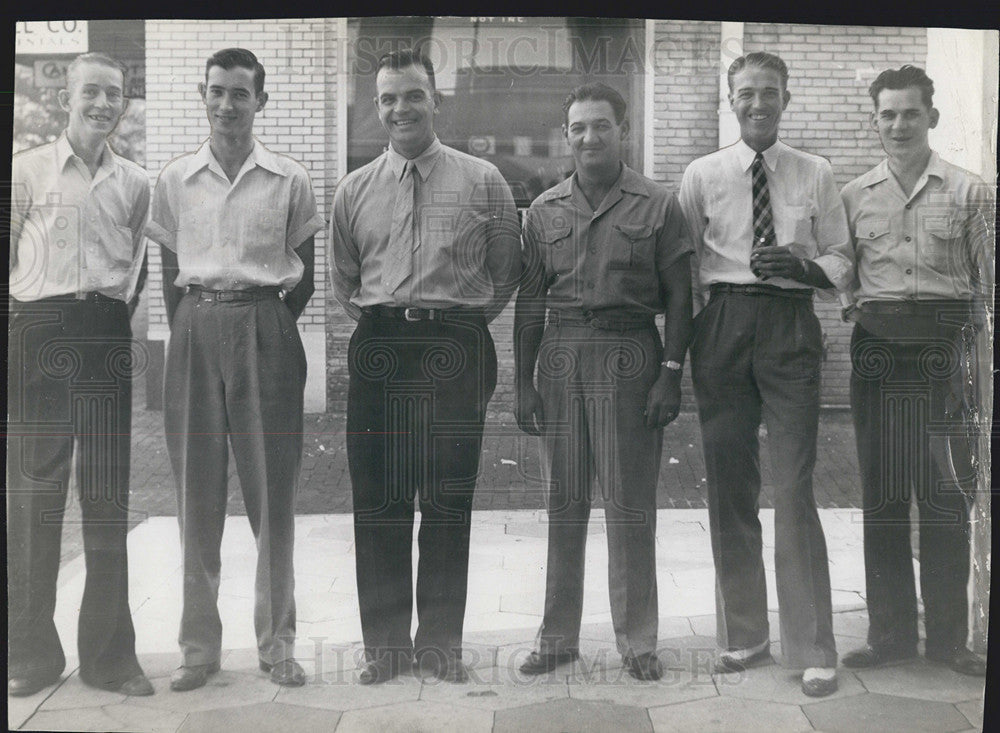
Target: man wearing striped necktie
point(768, 228)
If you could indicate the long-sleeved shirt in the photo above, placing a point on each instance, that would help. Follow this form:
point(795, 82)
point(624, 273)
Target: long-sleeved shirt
point(73, 233)
point(466, 236)
point(717, 199)
point(240, 234)
point(935, 243)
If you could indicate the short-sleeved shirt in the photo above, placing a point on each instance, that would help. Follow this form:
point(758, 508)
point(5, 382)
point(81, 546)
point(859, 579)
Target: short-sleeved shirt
point(717, 199)
point(935, 243)
point(233, 236)
point(466, 249)
point(608, 258)
point(73, 233)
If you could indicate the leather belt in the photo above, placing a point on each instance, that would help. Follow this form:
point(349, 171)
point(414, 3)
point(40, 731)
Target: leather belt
point(603, 322)
point(95, 297)
point(761, 289)
point(414, 313)
point(916, 307)
point(230, 296)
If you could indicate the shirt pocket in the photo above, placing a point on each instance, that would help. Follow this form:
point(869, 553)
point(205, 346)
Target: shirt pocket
point(631, 247)
point(263, 234)
point(795, 227)
point(941, 245)
point(559, 246)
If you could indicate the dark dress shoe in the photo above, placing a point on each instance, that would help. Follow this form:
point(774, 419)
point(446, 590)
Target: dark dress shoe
point(288, 673)
point(644, 666)
point(538, 663)
point(962, 661)
point(871, 656)
point(381, 670)
point(23, 685)
point(729, 662)
point(448, 668)
point(138, 686)
point(193, 677)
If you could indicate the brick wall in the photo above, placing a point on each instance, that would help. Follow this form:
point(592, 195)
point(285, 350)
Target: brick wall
point(293, 123)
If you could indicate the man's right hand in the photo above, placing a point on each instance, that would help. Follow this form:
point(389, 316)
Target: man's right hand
point(528, 410)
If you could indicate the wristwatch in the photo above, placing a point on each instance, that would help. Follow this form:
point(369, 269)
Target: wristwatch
point(674, 366)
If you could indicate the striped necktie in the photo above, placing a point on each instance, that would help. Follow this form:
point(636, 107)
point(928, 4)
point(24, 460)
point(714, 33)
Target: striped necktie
point(399, 259)
point(763, 221)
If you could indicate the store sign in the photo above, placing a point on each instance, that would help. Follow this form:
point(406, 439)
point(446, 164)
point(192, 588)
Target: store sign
point(51, 36)
point(51, 74)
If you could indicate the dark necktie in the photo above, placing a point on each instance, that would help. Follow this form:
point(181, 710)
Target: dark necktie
point(399, 259)
point(763, 221)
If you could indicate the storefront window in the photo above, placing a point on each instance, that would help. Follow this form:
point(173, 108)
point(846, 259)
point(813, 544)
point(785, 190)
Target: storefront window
point(503, 81)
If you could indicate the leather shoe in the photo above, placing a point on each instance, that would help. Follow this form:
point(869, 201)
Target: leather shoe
point(287, 673)
point(820, 686)
point(644, 666)
point(962, 661)
point(731, 661)
point(381, 670)
point(448, 668)
point(870, 656)
point(28, 684)
point(138, 686)
point(193, 677)
point(538, 663)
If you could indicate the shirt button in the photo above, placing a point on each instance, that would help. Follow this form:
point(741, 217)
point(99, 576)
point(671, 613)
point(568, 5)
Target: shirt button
point(909, 206)
point(590, 284)
point(909, 271)
point(870, 234)
point(908, 239)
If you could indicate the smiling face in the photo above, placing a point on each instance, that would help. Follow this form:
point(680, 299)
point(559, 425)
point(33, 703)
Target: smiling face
point(231, 101)
point(94, 100)
point(406, 105)
point(594, 137)
point(902, 121)
point(758, 98)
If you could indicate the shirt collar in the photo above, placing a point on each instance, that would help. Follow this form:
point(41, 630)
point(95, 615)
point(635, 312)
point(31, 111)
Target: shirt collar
point(259, 156)
point(424, 162)
point(64, 152)
point(745, 154)
point(628, 182)
point(878, 174)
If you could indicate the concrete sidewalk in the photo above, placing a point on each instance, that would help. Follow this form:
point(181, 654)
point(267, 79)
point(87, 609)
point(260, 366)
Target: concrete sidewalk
point(506, 591)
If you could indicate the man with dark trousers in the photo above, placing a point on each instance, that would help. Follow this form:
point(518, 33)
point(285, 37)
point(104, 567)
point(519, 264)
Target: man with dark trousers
point(604, 251)
point(236, 224)
point(425, 253)
point(922, 233)
point(77, 259)
point(768, 228)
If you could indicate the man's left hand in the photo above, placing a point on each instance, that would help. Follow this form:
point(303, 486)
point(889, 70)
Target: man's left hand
point(768, 262)
point(664, 401)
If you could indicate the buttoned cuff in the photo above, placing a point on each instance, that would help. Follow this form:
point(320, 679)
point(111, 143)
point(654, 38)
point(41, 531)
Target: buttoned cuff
point(309, 229)
point(160, 235)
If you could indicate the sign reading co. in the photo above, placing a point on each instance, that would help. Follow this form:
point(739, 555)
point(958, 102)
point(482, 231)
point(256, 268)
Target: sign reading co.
point(51, 36)
point(51, 74)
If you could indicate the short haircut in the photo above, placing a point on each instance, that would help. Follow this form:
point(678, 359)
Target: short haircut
point(94, 57)
point(596, 92)
point(229, 58)
point(404, 58)
point(760, 59)
point(903, 78)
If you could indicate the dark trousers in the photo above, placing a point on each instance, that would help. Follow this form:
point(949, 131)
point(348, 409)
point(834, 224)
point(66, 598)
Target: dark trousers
point(594, 385)
point(235, 370)
point(415, 411)
point(911, 402)
point(70, 376)
point(758, 357)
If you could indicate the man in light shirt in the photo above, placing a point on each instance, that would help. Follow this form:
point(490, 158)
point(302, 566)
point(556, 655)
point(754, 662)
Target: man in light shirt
point(76, 267)
point(425, 252)
point(923, 242)
point(768, 228)
point(236, 224)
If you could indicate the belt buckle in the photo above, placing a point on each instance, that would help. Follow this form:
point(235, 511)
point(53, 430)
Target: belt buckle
point(407, 314)
point(224, 296)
